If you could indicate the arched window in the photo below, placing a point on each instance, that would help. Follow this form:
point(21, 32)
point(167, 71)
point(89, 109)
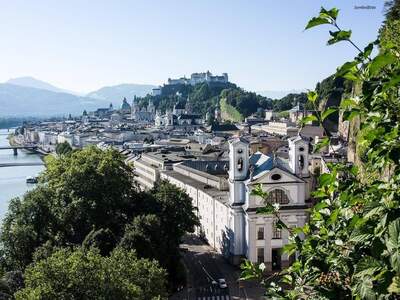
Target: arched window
point(301, 162)
point(240, 164)
point(277, 196)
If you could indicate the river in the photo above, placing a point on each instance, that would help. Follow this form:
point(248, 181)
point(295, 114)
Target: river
point(13, 179)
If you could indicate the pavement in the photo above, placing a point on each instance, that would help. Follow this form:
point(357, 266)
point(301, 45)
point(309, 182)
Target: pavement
point(204, 265)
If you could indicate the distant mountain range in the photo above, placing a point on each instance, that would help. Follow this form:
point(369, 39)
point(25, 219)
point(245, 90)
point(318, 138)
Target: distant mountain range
point(278, 94)
point(28, 81)
point(115, 93)
point(21, 101)
point(27, 96)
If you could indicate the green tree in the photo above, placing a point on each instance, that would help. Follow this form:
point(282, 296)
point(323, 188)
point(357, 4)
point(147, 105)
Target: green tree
point(80, 274)
point(169, 215)
point(63, 148)
point(102, 239)
point(390, 31)
point(87, 189)
point(351, 245)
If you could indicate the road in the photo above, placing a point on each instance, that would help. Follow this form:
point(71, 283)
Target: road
point(205, 265)
point(202, 271)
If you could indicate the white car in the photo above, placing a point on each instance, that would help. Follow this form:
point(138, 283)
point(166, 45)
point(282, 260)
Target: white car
point(222, 283)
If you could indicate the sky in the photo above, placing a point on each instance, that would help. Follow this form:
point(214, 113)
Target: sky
point(82, 45)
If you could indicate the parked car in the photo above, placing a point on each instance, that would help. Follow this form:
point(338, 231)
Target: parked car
point(222, 283)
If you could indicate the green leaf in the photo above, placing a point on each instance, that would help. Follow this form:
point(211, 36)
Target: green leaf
point(364, 289)
point(394, 81)
point(308, 119)
point(346, 68)
point(350, 115)
point(348, 103)
point(280, 224)
point(258, 191)
point(368, 50)
point(381, 61)
point(340, 35)
point(332, 13)
point(394, 287)
point(328, 112)
point(316, 21)
point(268, 209)
point(359, 238)
point(320, 205)
point(367, 266)
point(351, 75)
point(326, 179)
point(393, 240)
point(322, 143)
point(312, 96)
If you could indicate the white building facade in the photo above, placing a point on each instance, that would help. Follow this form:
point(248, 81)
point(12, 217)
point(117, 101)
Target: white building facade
point(228, 211)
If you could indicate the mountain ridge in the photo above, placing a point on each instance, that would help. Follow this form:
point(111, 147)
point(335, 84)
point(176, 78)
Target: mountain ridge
point(29, 81)
point(21, 101)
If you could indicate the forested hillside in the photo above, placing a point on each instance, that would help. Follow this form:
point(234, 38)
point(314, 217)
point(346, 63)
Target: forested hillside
point(205, 97)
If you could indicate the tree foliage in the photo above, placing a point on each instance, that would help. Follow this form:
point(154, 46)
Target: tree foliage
point(89, 198)
point(80, 274)
point(351, 245)
point(63, 148)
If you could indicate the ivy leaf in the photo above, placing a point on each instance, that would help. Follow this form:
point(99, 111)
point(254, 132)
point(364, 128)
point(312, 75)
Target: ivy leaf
point(328, 112)
point(308, 119)
point(381, 61)
point(340, 35)
point(316, 21)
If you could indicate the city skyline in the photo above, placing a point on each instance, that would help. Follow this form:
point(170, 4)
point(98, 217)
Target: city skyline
point(76, 46)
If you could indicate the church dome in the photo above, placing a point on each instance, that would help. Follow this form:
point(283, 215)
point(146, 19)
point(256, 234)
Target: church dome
point(125, 105)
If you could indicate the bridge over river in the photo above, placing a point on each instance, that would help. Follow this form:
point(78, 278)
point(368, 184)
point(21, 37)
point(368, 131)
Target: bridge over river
point(16, 148)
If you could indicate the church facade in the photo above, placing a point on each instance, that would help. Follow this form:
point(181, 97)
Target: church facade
point(227, 209)
point(180, 117)
point(144, 114)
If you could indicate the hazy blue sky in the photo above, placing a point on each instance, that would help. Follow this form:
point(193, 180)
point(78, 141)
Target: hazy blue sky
point(83, 45)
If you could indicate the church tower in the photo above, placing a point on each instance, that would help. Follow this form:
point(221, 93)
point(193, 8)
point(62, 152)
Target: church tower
point(298, 156)
point(238, 174)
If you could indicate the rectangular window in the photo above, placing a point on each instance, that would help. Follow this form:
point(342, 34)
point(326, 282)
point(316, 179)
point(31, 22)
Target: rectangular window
point(260, 233)
point(277, 232)
point(260, 255)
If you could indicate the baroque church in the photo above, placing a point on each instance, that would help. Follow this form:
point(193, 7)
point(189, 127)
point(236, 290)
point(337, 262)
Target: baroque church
point(144, 114)
point(227, 209)
point(181, 116)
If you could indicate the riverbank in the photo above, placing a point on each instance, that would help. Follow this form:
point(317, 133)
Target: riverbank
point(13, 179)
point(13, 141)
